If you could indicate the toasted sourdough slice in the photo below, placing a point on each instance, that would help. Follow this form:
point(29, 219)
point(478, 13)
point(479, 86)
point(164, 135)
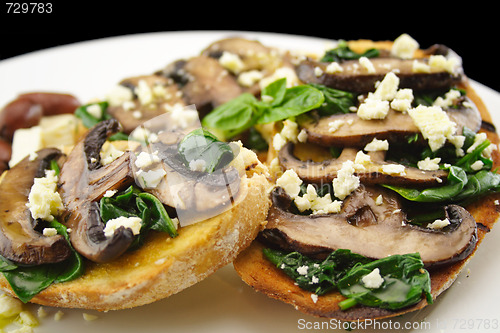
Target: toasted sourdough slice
point(259, 273)
point(164, 266)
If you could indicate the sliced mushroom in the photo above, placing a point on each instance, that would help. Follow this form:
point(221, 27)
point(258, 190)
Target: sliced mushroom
point(357, 132)
point(372, 230)
point(160, 94)
point(356, 78)
point(372, 173)
point(19, 241)
point(195, 195)
point(203, 82)
point(84, 180)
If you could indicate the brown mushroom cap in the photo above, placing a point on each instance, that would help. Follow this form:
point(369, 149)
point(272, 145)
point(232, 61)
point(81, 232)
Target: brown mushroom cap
point(84, 180)
point(326, 170)
point(355, 79)
point(19, 242)
point(357, 132)
point(372, 230)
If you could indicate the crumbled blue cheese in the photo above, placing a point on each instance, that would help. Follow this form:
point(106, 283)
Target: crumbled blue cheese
point(449, 98)
point(346, 181)
point(373, 280)
point(438, 224)
point(289, 132)
point(132, 222)
point(95, 111)
point(109, 153)
point(119, 95)
point(290, 182)
point(333, 68)
point(151, 178)
point(387, 88)
point(377, 145)
point(142, 134)
point(302, 270)
point(478, 165)
point(434, 124)
point(393, 169)
point(367, 64)
point(44, 202)
point(249, 78)
point(402, 100)
point(145, 159)
point(197, 165)
point(302, 136)
point(429, 164)
point(183, 117)
point(231, 62)
point(440, 62)
point(144, 92)
point(361, 161)
point(420, 67)
point(318, 205)
point(404, 47)
point(333, 126)
point(318, 71)
point(280, 73)
point(48, 232)
point(373, 108)
point(478, 139)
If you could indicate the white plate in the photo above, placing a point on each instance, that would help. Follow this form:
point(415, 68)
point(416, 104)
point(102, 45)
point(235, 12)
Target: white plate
point(222, 302)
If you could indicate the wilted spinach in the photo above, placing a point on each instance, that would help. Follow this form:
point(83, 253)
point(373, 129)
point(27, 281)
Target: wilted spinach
point(344, 52)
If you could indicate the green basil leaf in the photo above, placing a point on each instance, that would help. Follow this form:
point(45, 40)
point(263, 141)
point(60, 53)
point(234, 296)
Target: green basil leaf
point(232, 117)
point(276, 90)
point(297, 100)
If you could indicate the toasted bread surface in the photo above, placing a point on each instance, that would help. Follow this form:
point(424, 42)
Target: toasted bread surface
point(164, 266)
point(263, 276)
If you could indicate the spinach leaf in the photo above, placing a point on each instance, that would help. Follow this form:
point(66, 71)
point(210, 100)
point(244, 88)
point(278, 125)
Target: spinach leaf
point(457, 179)
point(28, 281)
point(405, 280)
point(317, 276)
point(89, 120)
point(200, 144)
point(336, 101)
point(134, 202)
point(344, 52)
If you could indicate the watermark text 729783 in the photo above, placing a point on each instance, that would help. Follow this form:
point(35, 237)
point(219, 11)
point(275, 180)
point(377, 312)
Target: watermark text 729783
point(29, 7)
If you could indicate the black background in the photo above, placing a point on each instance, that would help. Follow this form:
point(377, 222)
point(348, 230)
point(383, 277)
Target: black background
point(473, 32)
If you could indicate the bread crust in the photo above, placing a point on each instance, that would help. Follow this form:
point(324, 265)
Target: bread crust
point(164, 266)
point(259, 273)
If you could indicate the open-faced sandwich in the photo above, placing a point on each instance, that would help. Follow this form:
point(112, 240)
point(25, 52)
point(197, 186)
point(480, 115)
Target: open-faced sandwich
point(354, 184)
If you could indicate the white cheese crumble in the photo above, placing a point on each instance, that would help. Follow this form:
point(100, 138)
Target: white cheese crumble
point(95, 111)
point(404, 47)
point(249, 78)
point(314, 298)
point(290, 182)
point(438, 224)
point(109, 153)
point(231, 62)
point(289, 132)
point(333, 126)
point(362, 160)
point(346, 181)
point(393, 169)
point(151, 178)
point(403, 99)
point(333, 68)
point(110, 193)
point(133, 223)
point(449, 98)
point(373, 108)
point(197, 165)
point(183, 117)
point(379, 200)
point(429, 164)
point(318, 205)
point(377, 145)
point(144, 93)
point(440, 62)
point(145, 159)
point(367, 65)
point(302, 270)
point(434, 124)
point(373, 280)
point(119, 95)
point(302, 136)
point(44, 202)
point(48, 232)
point(387, 88)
